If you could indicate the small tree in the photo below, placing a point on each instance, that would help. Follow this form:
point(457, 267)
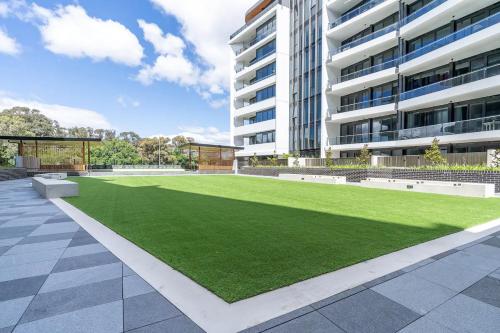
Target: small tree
point(329, 158)
point(273, 160)
point(254, 160)
point(496, 159)
point(364, 157)
point(296, 157)
point(433, 154)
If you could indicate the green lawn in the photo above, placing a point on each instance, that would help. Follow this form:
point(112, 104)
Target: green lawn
point(242, 236)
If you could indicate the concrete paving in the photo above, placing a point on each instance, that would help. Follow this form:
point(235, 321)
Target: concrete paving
point(55, 277)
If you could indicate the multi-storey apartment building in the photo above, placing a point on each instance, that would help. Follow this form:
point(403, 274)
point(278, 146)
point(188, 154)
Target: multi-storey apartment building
point(393, 75)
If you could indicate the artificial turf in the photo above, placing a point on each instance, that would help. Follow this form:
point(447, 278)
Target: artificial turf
point(242, 236)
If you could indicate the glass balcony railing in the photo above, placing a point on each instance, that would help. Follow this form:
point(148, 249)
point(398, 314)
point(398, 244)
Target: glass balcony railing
point(251, 83)
point(268, 8)
point(368, 38)
point(347, 16)
point(421, 11)
point(451, 128)
point(254, 61)
point(248, 103)
point(254, 41)
point(453, 82)
point(460, 34)
point(367, 71)
point(367, 104)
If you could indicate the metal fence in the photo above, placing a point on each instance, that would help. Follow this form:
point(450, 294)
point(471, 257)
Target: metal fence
point(321, 162)
point(411, 161)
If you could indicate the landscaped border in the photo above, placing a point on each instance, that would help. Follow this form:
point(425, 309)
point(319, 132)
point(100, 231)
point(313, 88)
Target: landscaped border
point(207, 310)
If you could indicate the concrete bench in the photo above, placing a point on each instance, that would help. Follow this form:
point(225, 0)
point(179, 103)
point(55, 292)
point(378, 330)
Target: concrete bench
point(54, 188)
point(314, 178)
point(59, 175)
point(448, 188)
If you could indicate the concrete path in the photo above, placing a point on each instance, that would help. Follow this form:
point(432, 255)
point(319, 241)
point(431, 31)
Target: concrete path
point(55, 277)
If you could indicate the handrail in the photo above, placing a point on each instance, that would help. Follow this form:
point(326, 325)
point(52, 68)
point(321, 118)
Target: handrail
point(484, 124)
point(421, 11)
point(477, 75)
point(369, 70)
point(253, 62)
point(254, 41)
point(367, 104)
point(457, 35)
point(349, 15)
point(248, 84)
point(368, 38)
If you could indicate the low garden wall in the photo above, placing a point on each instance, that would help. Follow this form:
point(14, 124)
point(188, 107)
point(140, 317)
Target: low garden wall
point(356, 175)
point(14, 173)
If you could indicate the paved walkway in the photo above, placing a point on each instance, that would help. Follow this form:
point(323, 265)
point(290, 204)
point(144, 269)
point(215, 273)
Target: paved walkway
point(55, 277)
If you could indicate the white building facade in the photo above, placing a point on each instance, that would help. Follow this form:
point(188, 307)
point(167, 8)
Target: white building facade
point(389, 74)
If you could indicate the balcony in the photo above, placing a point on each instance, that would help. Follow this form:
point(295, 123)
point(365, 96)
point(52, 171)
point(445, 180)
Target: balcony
point(434, 14)
point(367, 104)
point(477, 38)
point(248, 129)
point(334, 116)
point(258, 149)
point(361, 48)
point(248, 54)
point(247, 71)
point(474, 130)
point(256, 40)
point(341, 6)
point(255, 19)
point(247, 108)
point(364, 78)
point(355, 21)
point(245, 89)
point(481, 83)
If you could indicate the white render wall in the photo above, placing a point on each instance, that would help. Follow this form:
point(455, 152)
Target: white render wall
point(239, 135)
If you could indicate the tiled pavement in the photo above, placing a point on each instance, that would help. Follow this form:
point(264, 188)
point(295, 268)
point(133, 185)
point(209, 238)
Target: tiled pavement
point(457, 291)
point(55, 277)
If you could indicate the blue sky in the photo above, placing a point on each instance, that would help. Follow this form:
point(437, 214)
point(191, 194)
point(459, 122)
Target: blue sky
point(154, 67)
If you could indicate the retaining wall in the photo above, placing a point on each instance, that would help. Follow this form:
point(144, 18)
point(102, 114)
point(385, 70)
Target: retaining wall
point(14, 173)
point(356, 175)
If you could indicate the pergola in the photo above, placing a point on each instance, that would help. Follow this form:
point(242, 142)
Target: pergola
point(210, 157)
point(52, 153)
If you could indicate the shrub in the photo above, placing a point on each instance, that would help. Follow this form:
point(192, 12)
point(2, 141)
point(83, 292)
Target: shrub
point(329, 158)
point(433, 154)
point(364, 157)
point(254, 160)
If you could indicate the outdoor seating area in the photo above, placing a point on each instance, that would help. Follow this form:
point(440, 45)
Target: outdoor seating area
point(51, 188)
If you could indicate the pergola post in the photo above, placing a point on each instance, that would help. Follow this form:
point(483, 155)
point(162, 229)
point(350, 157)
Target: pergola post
point(83, 153)
point(36, 148)
point(88, 152)
point(199, 157)
point(220, 156)
point(190, 157)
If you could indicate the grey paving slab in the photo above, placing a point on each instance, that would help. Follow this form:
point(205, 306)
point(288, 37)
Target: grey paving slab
point(15, 231)
point(7, 329)
point(486, 290)
point(147, 309)
point(3, 249)
point(444, 254)
point(85, 261)
point(47, 229)
point(472, 261)
point(67, 300)
point(415, 293)
point(495, 241)
point(21, 287)
point(46, 238)
point(10, 241)
point(311, 322)
point(134, 285)
point(424, 325)
point(84, 250)
point(79, 241)
point(337, 297)
point(368, 311)
point(478, 241)
point(418, 265)
point(383, 279)
point(11, 311)
point(495, 274)
point(465, 314)
point(37, 247)
point(487, 251)
point(80, 277)
point(59, 219)
point(105, 318)
point(180, 324)
point(27, 270)
point(32, 257)
point(454, 277)
point(127, 271)
point(279, 320)
point(28, 221)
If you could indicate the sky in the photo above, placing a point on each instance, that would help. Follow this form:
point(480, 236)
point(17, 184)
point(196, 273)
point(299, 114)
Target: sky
point(156, 67)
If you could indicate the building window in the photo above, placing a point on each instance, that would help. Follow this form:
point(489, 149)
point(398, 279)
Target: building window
point(264, 137)
point(263, 116)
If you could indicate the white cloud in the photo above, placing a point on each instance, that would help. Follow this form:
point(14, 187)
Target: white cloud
point(207, 25)
point(66, 116)
point(210, 135)
point(70, 31)
point(170, 68)
point(163, 44)
point(4, 9)
point(8, 45)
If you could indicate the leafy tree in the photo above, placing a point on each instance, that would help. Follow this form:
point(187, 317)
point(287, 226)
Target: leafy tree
point(148, 150)
point(364, 157)
point(115, 152)
point(27, 122)
point(296, 156)
point(273, 160)
point(496, 158)
point(254, 160)
point(130, 137)
point(433, 154)
point(329, 158)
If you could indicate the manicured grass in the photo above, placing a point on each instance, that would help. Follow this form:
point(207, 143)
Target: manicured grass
point(241, 236)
